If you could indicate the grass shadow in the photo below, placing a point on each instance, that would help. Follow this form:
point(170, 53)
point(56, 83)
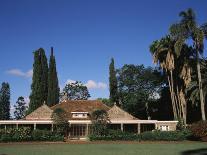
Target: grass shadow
point(195, 152)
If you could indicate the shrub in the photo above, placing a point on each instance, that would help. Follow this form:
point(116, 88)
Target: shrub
point(45, 135)
point(166, 135)
point(25, 134)
point(115, 135)
point(199, 129)
point(151, 136)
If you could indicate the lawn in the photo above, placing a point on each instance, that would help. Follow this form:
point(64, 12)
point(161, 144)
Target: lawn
point(154, 148)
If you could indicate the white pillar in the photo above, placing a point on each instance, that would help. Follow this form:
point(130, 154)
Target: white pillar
point(122, 127)
point(86, 129)
point(138, 128)
point(156, 126)
point(52, 127)
point(34, 126)
point(5, 127)
point(17, 126)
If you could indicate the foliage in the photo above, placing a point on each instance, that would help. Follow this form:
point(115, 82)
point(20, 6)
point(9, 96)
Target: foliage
point(75, 91)
point(145, 136)
point(165, 135)
point(187, 30)
point(106, 101)
point(115, 135)
point(199, 129)
point(21, 134)
point(45, 135)
point(20, 108)
point(39, 81)
point(113, 88)
point(26, 134)
point(60, 120)
point(53, 86)
point(138, 86)
point(100, 122)
point(5, 101)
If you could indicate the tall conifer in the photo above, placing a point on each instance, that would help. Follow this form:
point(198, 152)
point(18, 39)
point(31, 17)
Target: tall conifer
point(113, 83)
point(5, 101)
point(53, 86)
point(39, 81)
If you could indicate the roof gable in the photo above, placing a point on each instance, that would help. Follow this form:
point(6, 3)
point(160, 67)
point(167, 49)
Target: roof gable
point(41, 113)
point(116, 113)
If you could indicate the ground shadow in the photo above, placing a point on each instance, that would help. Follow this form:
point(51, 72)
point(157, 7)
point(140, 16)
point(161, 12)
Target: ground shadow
point(195, 152)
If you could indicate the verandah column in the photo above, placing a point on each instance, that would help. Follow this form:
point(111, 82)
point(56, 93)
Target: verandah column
point(122, 127)
point(34, 126)
point(52, 127)
point(138, 128)
point(17, 126)
point(87, 129)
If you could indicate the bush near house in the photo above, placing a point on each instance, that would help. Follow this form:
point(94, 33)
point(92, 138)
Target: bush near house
point(199, 130)
point(146, 136)
point(26, 134)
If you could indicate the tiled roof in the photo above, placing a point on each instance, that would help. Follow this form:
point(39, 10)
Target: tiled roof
point(80, 106)
point(116, 113)
point(41, 113)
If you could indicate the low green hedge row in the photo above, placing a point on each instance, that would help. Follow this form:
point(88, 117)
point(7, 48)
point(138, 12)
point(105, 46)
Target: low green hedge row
point(146, 136)
point(26, 134)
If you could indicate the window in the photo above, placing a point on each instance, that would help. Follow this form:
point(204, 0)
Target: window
point(79, 114)
point(164, 128)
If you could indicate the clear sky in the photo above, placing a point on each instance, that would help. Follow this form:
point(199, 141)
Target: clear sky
point(85, 34)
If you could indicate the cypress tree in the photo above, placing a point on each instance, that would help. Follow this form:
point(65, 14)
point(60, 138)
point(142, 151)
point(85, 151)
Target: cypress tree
point(44, 75)
point(5, 101)
point(113, 83)
point(53, 86)
point(39, 85)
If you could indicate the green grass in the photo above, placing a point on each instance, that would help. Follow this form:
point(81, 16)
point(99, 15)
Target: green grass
point(101, 149)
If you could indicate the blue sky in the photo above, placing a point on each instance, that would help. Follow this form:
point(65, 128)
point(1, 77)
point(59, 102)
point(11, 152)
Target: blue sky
point(85, 34)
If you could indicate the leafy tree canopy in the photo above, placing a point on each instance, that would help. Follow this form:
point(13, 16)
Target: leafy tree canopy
point(137, 86)
point(75, 91)
point(20, 108)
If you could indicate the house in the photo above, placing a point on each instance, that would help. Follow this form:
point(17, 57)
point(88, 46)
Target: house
point(79, 118)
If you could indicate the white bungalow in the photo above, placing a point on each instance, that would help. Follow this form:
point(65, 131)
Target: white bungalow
point(79, 118)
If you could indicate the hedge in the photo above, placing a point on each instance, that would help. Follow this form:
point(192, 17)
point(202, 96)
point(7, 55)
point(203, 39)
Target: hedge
point(146, 136)
point(199, 130)
point(26, 134)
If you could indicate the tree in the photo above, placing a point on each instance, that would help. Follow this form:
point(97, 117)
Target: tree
point(100, 122)
point(53, 86)
point(60, 119)
point(106, 101)
point(114, 98)
point(39, 80)
point(44, 74)
point(187, 29)
point(20, 108)
point(5, 101)
point(137, 85)
point(75, 91)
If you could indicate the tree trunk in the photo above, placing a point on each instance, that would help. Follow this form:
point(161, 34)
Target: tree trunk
point(200, 88)
point(170, 81)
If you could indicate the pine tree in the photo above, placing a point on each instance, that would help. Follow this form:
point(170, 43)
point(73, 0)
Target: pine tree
point(5, 101)
point(20, 108)
point(113, 83)
point(39, 80)
point(53, 86)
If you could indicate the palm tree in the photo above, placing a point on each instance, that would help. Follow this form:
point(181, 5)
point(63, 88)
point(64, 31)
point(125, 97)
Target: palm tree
point(193, 88)
point(162, 51)
point(188, 29)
